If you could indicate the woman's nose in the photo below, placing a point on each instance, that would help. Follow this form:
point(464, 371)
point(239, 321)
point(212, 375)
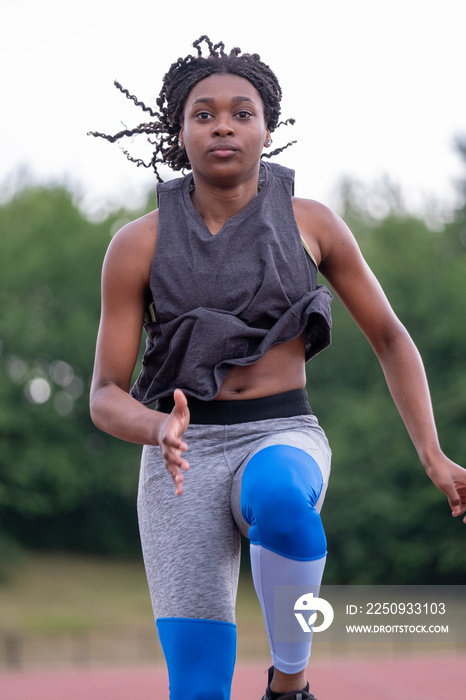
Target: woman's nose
point(223, 127)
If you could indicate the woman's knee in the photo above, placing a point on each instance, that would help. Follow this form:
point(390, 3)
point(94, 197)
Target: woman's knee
point(280, 487)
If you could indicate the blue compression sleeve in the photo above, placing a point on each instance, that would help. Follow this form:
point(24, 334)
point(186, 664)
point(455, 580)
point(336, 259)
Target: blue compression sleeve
point(279, 490)
point(200, 656)
point(280, 487)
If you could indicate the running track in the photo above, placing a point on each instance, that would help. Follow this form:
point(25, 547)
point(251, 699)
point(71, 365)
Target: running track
point(430, 678)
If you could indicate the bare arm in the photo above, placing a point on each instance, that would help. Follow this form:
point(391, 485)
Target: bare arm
point(125, 280)
point(344, 267)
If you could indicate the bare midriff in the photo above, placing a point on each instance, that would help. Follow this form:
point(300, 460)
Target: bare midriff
point(281, 369)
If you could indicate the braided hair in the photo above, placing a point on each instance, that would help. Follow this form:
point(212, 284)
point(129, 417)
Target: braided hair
point(182, 76)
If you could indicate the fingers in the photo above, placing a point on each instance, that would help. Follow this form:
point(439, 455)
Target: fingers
point(176, 472)
point(457, 511)
point(451, 479)
point(177, 475)
point(172, 444)
point(178, 481)
point(181, 402)
point(175, 463)
point(181, 410)
point(457, 507)
point(457, 494)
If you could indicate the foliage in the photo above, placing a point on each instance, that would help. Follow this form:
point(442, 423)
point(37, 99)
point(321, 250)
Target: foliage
point(385, 521)
point(64, 484)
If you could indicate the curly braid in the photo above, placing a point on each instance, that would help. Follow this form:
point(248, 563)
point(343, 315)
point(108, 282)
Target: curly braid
point(178, 82)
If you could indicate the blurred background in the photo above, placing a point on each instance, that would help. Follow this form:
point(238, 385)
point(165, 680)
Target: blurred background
point(376, 89)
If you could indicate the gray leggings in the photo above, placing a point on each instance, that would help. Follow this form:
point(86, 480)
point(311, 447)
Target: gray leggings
point(191, 543)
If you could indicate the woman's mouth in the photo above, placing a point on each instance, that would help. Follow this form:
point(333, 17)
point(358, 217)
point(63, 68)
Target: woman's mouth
point(224, 150)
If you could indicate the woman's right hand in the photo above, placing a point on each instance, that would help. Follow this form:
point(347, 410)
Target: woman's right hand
point(170, 440)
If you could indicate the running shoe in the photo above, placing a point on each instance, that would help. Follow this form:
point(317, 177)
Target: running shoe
point(295, 695)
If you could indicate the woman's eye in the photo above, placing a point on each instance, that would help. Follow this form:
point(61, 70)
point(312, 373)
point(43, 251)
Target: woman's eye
point(244, 115)
point(203, 116)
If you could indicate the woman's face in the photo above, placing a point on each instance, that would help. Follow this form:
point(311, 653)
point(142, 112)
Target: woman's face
point(224, 129)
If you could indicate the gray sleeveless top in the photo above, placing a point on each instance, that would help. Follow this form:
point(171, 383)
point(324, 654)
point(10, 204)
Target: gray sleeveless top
point(223, 300)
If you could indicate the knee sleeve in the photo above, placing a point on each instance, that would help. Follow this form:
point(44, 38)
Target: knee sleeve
point(279, 490)
point(200, 656)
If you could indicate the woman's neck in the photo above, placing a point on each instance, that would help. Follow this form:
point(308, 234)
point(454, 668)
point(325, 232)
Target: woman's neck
point(216, 204)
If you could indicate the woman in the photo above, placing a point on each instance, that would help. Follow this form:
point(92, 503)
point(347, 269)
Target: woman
point(223, 275)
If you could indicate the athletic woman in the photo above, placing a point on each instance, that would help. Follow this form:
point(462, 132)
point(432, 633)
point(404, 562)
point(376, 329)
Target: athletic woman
point(223, 277)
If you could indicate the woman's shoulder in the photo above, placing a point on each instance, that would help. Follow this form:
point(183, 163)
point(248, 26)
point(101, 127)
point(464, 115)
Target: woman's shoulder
point(139, 231)
point(314, 212)
point(319, 226)
point(137, 236)
point(132, 248)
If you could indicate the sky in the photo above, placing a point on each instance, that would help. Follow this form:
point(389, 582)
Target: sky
point(376, 88)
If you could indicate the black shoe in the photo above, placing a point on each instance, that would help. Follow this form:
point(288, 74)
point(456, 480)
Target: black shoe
point(295, 695)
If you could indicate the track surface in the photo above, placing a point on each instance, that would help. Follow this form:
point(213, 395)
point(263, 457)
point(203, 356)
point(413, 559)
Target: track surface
point(429, 678)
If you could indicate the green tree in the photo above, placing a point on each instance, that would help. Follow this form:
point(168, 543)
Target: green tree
point(65, 484)
point(385, 521)
point(62, 482)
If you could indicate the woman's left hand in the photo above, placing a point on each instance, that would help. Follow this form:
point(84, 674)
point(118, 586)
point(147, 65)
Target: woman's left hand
point(451, 479)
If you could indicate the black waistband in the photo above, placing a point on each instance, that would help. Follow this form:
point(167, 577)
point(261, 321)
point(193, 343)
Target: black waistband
point(286, 405)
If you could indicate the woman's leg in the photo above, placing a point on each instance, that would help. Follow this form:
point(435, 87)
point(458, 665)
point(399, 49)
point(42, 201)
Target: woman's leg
point(200, 656)
point(191, 554)
point(276, 498)
point(280, 488)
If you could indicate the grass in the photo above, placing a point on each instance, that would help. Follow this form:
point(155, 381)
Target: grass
point(54, 595)
point(50, 593)
point(63, 592)
point(99, 608)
